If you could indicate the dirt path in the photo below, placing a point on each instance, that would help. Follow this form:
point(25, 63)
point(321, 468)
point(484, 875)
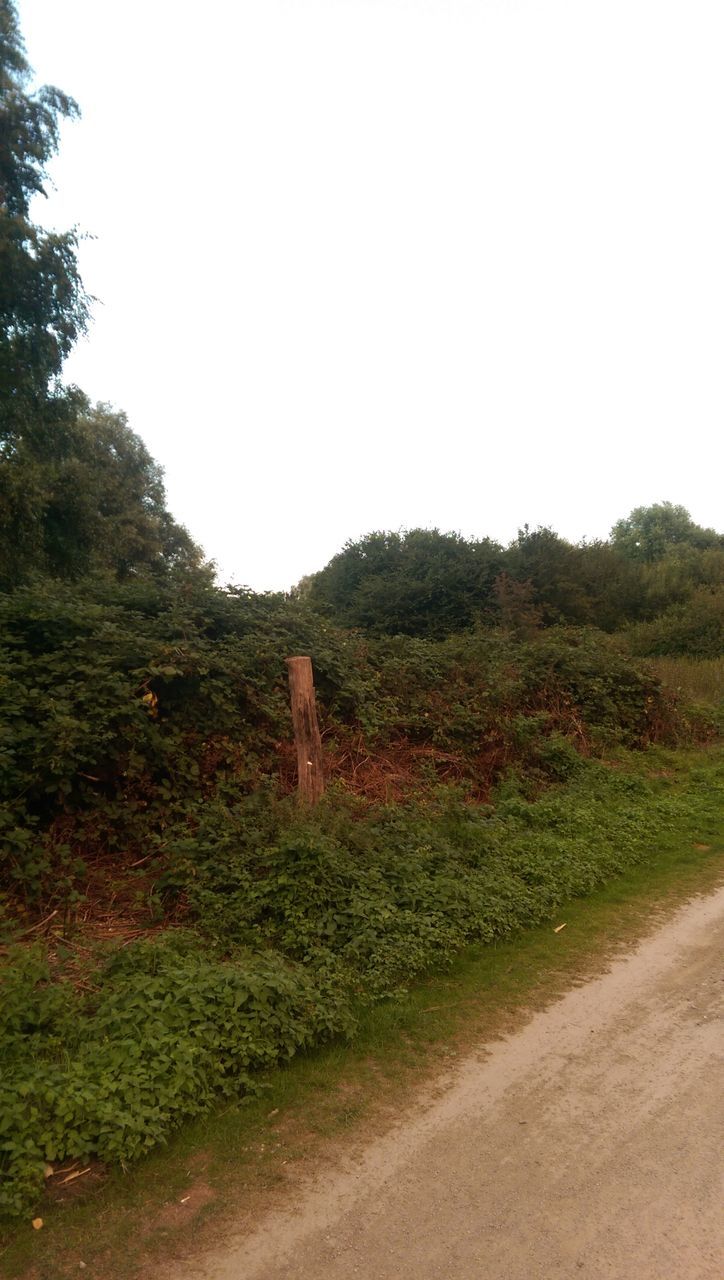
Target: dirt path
point(588, 1145)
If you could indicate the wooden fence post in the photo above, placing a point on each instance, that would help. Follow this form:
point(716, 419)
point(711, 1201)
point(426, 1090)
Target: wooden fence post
point(306, 730)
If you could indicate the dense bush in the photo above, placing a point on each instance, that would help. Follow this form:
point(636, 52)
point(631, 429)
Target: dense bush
point(419, 583)
point(122, 707)
point(694, 628)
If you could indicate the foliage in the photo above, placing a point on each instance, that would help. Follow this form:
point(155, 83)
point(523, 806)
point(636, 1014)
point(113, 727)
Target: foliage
point(428, 584)
point(43, 307)
point(119, 706)
point(144, 719)
point(301, 918)
point(124, 706)
point(165, 1031)
point(514, 605)
point(590, 584)
point(694, 627)
point(88, 498)
point(419, 583)
point(674, 578)
point(648, 533)
point(78, 490)
point(551, 567)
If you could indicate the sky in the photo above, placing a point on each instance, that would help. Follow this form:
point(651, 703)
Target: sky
point(379, 264)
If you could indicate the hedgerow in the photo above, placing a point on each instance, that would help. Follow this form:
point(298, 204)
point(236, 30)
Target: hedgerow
point(144, 720)
point(122, 707)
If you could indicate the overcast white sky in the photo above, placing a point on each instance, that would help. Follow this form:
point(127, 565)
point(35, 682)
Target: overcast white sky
point(383, 263)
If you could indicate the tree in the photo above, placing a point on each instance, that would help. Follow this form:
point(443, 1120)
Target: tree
point(79, 491)
point(95, 502)
point(515, 607)
point(554, 568)
point(694, 627)
point(419, 583)
point(43, 306)
point(649, 533)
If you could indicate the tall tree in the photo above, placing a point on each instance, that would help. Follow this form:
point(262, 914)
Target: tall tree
point(79, 491)
point(43, 306)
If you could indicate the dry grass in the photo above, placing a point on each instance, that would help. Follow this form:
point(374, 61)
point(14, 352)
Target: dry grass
point(392, 772)
point(700, 679)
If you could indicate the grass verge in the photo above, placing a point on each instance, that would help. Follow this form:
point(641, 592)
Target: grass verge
point(245, 1156)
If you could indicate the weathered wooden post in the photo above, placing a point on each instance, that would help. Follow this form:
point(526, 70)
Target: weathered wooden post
point(306, 730)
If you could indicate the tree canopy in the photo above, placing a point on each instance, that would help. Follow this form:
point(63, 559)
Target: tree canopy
point(431, 584)
point(648, 533)
point(79, 491)
point(43, 306)
point(94, 502)
point(421, 582)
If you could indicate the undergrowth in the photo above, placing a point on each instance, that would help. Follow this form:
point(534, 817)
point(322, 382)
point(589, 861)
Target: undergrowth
point(123, 708)
point(296, 922)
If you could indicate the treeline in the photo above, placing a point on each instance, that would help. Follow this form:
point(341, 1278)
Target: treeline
point(660, 579)
point(80, 495)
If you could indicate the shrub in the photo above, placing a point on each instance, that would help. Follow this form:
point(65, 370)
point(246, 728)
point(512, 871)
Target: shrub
point(694, 628)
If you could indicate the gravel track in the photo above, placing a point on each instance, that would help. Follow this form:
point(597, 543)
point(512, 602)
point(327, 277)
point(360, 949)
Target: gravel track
point(587, 1145)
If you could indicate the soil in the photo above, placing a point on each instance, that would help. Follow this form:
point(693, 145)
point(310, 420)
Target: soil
point(589, 1144)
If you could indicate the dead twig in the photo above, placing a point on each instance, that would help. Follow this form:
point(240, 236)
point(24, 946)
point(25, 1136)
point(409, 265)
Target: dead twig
point(40, 923)
point(79, 1174)
point(139, 861)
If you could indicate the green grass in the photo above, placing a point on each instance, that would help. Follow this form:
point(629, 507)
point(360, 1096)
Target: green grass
point(241, 1154)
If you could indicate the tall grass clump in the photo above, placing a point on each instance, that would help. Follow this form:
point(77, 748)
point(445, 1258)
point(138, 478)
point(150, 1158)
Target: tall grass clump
point(697, 679)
